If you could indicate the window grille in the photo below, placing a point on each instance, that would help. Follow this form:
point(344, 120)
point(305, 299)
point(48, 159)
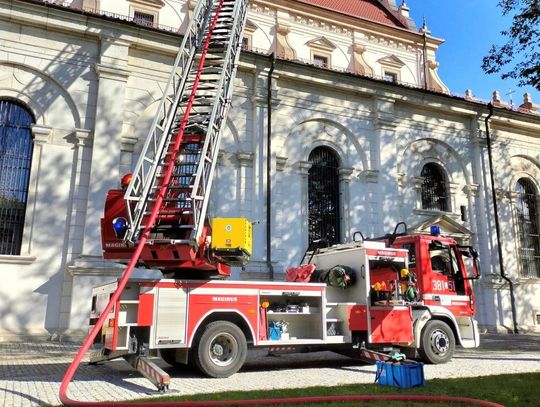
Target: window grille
point(143, 18)
point(320, 60)
point(15, 160)
point(527, 219)
point(323, 196)
point(390, 76)
point(434, 188)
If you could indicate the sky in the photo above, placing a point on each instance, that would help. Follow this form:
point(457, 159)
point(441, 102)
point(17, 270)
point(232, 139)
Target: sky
point(469, 28)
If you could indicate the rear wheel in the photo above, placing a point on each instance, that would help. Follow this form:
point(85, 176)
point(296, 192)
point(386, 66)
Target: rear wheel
point(221, 351)
point(437, 342)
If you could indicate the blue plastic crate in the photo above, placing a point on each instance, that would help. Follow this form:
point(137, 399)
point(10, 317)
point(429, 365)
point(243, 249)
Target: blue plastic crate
point(404, 375)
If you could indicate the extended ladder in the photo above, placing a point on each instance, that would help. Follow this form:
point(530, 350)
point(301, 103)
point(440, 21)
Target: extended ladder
point(177, 162)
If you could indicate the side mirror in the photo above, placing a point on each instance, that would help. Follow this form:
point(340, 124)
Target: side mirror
point(436, 245)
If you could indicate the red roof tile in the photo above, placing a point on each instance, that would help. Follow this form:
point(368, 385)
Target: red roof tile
point(371, 10)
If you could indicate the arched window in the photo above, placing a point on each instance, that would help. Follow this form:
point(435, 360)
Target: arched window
point(15, 159)
point(434, 188)
point(527, 222)
point(323, 196)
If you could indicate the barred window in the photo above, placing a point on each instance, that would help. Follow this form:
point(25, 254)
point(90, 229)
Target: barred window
point(143, 18)
point(320, 60)
point(323, 196)
point(15, 160)
point(434, 188)
point(527, 222)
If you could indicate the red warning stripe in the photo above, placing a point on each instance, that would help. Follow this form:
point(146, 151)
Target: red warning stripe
point(381, 357)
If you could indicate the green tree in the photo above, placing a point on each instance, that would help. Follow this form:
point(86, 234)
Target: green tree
point(519, 57)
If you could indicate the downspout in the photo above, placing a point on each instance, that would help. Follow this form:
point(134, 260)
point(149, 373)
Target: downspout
point(424, 51)
point(497, 226)
point(269, 168)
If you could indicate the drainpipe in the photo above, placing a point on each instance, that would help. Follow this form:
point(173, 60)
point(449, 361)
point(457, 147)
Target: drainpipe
point(269, 168)
point(497, 226)
point(424, 50)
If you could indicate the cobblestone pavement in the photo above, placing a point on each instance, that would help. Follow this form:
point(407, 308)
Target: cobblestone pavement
point(30, 373)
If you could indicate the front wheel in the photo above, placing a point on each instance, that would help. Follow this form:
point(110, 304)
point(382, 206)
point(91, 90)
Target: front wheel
point(437, 342)
point(221, 351)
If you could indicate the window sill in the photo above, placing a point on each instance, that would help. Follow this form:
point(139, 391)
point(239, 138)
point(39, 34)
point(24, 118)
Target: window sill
point(528, 280)
point(436, 212)
point(8, 259)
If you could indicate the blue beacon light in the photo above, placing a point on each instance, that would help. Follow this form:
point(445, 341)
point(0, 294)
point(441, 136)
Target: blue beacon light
point(435, 230)
point(120, 226)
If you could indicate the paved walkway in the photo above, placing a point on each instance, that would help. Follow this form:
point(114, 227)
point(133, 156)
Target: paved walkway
point(30, 373)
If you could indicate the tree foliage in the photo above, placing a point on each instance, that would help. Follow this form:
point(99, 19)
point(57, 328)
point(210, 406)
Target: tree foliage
point(519, 57)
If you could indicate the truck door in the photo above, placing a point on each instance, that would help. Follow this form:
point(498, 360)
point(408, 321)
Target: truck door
point(446, 276)
point(446, 281)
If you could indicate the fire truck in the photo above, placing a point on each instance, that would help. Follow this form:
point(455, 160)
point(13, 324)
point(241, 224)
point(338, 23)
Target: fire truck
point(410, 293)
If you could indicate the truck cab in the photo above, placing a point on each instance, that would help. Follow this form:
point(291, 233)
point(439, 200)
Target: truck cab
point(445, 313)
point(444, 271)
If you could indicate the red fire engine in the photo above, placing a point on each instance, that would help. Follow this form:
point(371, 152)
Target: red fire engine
point(411, 293)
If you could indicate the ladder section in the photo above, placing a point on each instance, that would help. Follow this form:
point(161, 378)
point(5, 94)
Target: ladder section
point(183, 150)
point(159, 136)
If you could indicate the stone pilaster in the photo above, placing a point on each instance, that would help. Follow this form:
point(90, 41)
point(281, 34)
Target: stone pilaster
point(345, 177)
point(112, 77)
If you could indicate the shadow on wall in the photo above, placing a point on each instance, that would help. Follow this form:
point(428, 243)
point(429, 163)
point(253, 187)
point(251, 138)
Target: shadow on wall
point(57, 208)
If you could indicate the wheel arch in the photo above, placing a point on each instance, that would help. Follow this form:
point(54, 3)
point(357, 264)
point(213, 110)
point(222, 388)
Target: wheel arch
point(231, 316)
point(426, 314)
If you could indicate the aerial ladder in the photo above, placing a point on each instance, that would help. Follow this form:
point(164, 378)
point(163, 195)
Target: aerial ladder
point(169, 188)
point(158, 218)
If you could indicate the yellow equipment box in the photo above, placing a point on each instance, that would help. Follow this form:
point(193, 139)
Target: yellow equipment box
point(232, 240)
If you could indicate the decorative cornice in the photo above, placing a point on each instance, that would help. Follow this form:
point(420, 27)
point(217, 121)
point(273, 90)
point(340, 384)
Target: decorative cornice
point(502, 194)
point(418, 182)
point(472, 190)
point(156, 4)
point(244, 159)
point(303, 167)
point(453, 187)
point(94, 266)
point(321, 25)
point(345, 174)
point(370, 176)
point(480, 141)
point(321, 43)
point(5, 259)
point(128, 143)
point(84, 136)
point(391, 61)
point(41, 134)
point(112, 72)
point(280, 163)
point(260, 9)
point(401, 179)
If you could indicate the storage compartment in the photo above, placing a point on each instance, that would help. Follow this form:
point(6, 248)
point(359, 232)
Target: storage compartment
point(391, 325)
point(337, 329)
point(123, 335)
point(127, 314)
point(294, 317)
